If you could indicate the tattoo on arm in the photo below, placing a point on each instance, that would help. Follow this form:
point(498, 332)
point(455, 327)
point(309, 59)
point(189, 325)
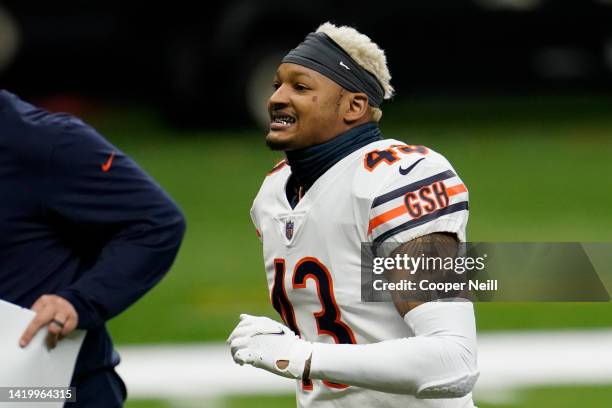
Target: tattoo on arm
point(436, 245)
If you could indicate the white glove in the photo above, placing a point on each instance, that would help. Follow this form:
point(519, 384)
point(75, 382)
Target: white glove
point(262, 342)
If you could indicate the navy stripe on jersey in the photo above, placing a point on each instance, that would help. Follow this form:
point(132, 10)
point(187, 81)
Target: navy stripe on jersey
point(422, 220)
point(391, 195)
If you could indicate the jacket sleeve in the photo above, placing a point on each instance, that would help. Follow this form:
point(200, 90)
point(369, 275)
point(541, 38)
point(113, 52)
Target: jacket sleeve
point(95, 191)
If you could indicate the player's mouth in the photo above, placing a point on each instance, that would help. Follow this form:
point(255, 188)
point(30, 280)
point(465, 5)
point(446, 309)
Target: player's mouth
point(281, 120)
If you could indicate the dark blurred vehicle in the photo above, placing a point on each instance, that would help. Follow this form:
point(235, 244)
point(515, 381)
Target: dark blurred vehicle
point(213, 65)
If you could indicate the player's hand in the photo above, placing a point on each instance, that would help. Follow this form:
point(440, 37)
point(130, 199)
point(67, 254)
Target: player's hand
point(57, 314)
point(267, 344)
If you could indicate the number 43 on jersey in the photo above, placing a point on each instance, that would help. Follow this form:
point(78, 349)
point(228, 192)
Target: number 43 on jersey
point(329, 321)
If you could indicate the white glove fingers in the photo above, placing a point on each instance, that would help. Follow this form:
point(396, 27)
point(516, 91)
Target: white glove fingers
point(239, 357)
point(245, 356)
point(242, 330)
point(261, 342)
point(239, 344)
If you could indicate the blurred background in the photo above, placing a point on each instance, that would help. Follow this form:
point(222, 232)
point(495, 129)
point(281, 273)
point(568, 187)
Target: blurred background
point(516, 93)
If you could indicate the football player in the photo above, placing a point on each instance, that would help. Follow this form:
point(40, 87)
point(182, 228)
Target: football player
point(342, 185)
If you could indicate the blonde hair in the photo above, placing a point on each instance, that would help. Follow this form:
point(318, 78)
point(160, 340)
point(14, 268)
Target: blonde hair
point(366, 53)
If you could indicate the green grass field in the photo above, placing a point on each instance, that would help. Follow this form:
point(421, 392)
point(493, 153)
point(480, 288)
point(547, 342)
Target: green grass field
point(538, 169)
point(566, 397)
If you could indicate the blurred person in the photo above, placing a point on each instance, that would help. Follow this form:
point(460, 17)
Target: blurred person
point(340, 185)
point(84, 234)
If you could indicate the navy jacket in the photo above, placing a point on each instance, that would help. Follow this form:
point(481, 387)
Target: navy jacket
point(78, 219)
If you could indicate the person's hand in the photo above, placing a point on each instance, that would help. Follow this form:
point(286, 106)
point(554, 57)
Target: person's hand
point(267, 344)
point(57, 313)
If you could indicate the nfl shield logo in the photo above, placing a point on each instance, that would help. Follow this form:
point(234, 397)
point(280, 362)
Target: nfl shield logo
point(289, 229)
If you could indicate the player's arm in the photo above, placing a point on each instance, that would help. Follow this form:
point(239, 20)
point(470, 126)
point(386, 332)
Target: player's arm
point(439, 245)
point(98, 196)
point(438, 362)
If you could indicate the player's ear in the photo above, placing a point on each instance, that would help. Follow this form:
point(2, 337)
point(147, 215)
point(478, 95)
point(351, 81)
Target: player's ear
point(357, 107)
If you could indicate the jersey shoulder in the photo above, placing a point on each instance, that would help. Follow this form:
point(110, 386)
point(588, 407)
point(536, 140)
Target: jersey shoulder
point(389, 163)
point(407, 191)
point(275, 178)
point(268, 195)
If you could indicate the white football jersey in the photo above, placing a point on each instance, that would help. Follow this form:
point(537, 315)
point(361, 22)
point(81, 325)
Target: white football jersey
point(386, 191)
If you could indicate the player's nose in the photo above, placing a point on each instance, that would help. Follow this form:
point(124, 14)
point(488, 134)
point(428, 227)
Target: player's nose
point(279, 97)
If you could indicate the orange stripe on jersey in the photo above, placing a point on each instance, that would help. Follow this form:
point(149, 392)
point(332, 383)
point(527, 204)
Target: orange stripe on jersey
point(401, 210)
point(454, 190)
point(278, 166)
point(386, 216)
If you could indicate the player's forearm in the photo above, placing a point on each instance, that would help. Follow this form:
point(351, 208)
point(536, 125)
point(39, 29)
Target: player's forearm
point(439, 362)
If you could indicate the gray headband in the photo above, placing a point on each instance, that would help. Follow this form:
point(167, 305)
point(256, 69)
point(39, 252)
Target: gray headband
point(322, 54)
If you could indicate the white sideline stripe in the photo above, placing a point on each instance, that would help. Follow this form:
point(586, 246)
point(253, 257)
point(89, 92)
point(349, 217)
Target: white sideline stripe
point(507, 361)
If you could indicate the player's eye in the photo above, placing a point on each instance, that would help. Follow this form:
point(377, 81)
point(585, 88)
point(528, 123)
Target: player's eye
point(300, 87)
point(276, 85)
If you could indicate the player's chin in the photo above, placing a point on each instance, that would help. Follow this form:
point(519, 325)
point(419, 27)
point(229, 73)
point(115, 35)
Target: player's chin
point(281, 139)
